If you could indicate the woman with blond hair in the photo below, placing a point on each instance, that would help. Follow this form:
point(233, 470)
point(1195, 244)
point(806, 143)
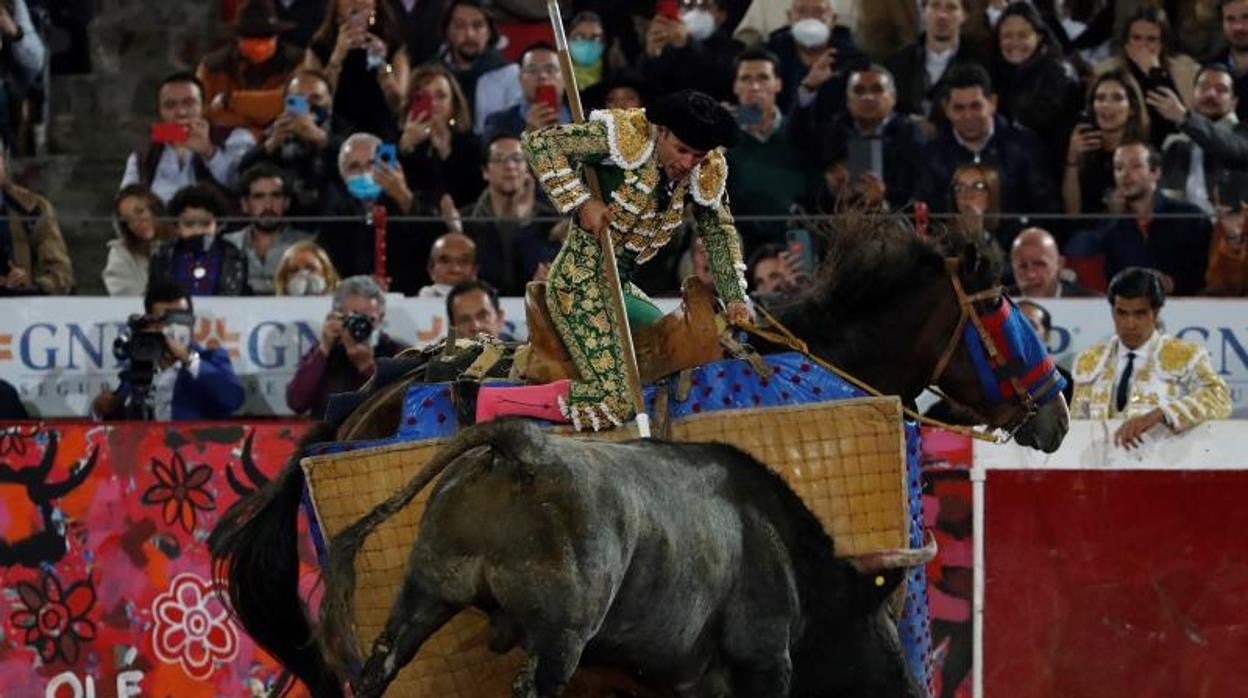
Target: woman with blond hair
point(305, 270)
point(139, 229)
point(439, 152)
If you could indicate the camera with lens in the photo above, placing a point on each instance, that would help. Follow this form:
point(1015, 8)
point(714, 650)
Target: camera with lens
point(138, 343)
point(358, 325)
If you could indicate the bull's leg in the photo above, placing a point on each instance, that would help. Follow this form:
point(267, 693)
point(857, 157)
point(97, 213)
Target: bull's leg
point(557, 651)
point(769, 679)
point(415, 616)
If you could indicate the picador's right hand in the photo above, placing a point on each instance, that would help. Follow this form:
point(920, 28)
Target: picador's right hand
point(593, 217)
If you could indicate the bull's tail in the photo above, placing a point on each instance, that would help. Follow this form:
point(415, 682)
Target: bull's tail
point(522, 440)
point(255, 559)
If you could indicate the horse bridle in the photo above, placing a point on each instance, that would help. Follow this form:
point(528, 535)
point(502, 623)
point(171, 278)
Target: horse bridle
point(966, 303)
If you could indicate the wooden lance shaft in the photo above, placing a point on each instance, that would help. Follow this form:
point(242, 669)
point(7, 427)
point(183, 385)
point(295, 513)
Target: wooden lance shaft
point(615, 290)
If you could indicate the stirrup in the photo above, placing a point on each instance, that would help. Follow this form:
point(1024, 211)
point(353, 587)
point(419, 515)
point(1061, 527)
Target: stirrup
point(464, 397)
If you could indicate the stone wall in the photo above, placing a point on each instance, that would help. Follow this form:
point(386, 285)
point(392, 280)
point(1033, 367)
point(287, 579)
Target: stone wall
point(97, 119)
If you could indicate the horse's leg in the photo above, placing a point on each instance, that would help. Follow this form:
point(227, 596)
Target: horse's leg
point(415, 616)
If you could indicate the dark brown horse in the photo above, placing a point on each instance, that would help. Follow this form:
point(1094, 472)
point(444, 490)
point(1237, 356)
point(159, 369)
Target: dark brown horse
point(889, 307)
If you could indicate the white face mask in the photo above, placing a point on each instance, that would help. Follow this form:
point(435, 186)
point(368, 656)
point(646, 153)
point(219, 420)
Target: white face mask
point(811, 33)
point(305, 283)
point(700, 23)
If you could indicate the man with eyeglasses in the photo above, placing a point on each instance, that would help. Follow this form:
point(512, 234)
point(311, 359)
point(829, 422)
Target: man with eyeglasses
point(452, 260)
point(871, 124)
point(541, 87)
point(511, 244)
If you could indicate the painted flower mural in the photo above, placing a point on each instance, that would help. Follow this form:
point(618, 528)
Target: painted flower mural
point(14, 440)
point(180, 492)
point(53, 619)
point(192, 627)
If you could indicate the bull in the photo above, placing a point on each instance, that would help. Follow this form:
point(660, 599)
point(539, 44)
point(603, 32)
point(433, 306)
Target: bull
point(693, 565)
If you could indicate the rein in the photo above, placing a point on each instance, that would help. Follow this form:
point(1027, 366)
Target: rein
point(783, 336)
point(780, 335)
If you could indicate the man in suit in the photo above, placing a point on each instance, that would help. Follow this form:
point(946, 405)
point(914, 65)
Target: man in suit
point(977, 134)
point(884, 26)
point(1141, 375)
point(1037, 266)
point(188, 382)
point(919, 66)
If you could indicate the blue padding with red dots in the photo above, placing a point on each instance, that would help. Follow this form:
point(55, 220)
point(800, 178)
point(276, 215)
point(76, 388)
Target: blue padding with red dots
point(722, 385)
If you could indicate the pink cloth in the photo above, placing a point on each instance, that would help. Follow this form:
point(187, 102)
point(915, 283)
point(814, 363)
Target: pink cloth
point(540, 401)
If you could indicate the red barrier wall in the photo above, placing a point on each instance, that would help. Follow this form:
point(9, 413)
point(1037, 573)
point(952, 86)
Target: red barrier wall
point(1116, 583)
point(104, 566)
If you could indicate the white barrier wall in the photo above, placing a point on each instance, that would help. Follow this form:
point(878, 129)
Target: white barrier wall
point(58, 351)
point(1089, 445)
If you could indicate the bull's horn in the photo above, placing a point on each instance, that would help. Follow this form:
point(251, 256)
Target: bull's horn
point(896, 558)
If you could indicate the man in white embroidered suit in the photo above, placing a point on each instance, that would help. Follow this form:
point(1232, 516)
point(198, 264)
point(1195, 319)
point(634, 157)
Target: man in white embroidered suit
point(1144, 376)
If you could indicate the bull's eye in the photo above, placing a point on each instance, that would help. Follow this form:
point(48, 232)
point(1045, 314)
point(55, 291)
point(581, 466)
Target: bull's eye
point(879, 580)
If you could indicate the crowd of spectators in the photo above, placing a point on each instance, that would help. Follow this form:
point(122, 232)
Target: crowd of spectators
point(1095, 123)
point(1082, 137)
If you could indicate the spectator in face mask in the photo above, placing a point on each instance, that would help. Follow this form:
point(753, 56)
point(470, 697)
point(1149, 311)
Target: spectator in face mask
point(694, 51)
point(816, 57)
point(369, 181)
point(188, 382)
point(303, 142)
point(305, 270)
point(198, 258)
point(587, 43)
point(243, 81)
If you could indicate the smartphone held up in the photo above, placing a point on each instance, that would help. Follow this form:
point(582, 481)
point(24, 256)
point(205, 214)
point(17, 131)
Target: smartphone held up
point(166, 133)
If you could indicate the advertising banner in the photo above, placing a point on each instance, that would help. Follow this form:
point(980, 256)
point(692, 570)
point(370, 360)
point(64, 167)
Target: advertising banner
point(58, 352)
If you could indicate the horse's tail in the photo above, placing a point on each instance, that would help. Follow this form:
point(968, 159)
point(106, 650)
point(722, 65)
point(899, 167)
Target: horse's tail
point(519, 439)
point(255, 559)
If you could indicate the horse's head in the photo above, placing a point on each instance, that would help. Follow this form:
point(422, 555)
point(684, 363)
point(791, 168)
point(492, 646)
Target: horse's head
point(993, 364)
point(903, 312)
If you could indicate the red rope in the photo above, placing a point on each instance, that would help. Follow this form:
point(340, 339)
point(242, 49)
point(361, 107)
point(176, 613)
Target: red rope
point(379, 246)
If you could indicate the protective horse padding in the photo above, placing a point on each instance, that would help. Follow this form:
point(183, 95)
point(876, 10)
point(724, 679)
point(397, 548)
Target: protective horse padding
point(846, 460)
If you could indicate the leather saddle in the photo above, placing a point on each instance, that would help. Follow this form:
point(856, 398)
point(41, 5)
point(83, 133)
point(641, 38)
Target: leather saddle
point(685, 338)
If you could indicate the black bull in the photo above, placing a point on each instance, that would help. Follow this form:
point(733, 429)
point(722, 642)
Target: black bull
point(693, 565)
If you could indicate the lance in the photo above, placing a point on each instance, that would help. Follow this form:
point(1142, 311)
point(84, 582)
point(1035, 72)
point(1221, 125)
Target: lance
point(615, 291)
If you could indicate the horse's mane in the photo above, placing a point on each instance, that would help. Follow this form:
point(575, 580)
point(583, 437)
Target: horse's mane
point(872, 259)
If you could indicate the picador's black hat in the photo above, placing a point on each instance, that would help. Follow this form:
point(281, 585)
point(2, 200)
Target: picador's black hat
point(696, 119)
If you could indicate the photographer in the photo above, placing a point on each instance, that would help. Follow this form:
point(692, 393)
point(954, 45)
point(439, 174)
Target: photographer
point(351, 341)
point(165, 375)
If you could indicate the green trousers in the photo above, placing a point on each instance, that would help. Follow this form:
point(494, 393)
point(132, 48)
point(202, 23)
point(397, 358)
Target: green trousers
point(579, 303)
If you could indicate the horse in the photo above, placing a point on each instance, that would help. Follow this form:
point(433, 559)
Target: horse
point(897, 310)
